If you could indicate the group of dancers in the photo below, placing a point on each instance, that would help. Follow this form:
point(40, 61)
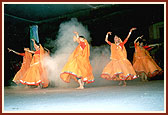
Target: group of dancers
point(78, 67)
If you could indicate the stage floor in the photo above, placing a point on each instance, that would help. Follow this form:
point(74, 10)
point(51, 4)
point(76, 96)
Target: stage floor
point(136, 97)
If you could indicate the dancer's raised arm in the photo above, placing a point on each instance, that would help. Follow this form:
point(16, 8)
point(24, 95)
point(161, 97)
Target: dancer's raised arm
point(13, 51)
point(140, 37)
point(130, 33)
point(106, 39)
point(33, 41)
point(47, 49)
point(76, 38)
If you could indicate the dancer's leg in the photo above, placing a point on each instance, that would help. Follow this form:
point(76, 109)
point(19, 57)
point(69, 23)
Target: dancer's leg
point(124, 83)
point(26, 86)
point(80, 84)
point(145, 76)
point(142, 77)
point(39, 86)
point(120, 83)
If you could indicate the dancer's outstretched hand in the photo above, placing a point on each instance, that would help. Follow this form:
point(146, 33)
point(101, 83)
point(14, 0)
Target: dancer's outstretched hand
point(109, 33)
point(9, 49)
point(33, 40)
point(75, 32)
point(141, 37)
point(132, 29)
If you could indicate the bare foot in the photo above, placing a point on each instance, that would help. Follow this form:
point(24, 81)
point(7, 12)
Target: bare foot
point(38, 87)
point(146, 80)
point(142, 79)
point(81, 87)
point(124, 85)
point(120, 83)
point(83, 83)
point(26, 87)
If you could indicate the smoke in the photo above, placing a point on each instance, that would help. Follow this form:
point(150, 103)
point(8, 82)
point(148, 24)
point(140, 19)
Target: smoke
point(100, 57)
point(64, 46)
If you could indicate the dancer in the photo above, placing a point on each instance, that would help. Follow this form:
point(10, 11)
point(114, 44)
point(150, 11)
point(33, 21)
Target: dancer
point(119, 68)
point(146, 47)
point(27, 57)
point(78, 66)
point(36, 75)
point(143, 63)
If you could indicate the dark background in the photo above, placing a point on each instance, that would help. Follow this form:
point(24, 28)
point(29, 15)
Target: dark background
point(99, 18)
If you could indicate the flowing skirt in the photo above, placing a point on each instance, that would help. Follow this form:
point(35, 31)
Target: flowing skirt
point(119, 70)
point(77, 68)
point(25, 66)
point(147, 66)
point(18, 76)
point(32, 75)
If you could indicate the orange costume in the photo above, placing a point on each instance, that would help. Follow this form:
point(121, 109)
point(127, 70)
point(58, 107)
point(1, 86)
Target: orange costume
point(78, 65)
point(119, 68)
point(27, 57)
point(143, 62)
point(36, 74)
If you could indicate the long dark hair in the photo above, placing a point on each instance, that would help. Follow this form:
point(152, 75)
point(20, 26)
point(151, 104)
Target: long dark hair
point(82, 37)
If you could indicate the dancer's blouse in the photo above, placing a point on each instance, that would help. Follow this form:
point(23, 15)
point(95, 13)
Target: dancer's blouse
point(118, 52)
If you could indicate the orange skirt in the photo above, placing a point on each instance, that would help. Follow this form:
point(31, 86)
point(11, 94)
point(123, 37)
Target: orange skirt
point(25, 65)
point(147, 66)
point(32, 75)
point(77, 68)
point(21, 72)
point(18, 76)
point(119, 70)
